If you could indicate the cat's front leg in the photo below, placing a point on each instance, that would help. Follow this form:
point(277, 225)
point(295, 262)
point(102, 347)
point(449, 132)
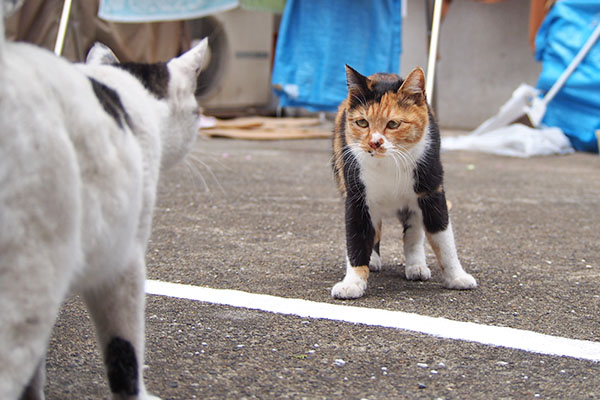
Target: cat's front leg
point(360, 237)
point(117, 309)
point(439, 233)
point(354, 284)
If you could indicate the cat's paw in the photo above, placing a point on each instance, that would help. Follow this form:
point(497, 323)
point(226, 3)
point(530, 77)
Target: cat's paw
point(462, 281)
point(417, 272)
point(375, 264)
point(349, 289)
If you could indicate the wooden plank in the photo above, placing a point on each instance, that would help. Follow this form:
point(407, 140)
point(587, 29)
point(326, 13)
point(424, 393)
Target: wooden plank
point(261, 134)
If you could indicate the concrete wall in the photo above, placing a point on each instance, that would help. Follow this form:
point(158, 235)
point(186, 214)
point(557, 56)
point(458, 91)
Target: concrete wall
point(484, 55)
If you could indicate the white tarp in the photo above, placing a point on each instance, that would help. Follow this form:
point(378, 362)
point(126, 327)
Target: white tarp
point(516, 140)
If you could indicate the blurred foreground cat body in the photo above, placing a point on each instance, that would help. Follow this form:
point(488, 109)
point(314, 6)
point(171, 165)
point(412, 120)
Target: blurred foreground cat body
point(386, 162)
point(81, 150)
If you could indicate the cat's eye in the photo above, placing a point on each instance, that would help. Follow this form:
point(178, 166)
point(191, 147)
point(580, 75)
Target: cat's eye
point(393, 124)
point(363, 123)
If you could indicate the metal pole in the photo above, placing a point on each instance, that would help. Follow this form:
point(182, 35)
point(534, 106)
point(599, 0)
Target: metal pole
point(433, 45)
point(62, 28)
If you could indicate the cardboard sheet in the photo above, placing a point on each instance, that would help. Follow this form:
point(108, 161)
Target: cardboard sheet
point(267, 128)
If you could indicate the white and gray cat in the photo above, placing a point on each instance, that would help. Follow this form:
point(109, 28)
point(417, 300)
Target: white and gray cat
point(81, 150)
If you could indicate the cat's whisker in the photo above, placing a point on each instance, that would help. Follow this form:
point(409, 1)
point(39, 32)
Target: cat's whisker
point(356, 154)
point(332, 159)
point(407, 160)
point(194, 158)
point(398, 161)
point(197, 153)
point(195, 175)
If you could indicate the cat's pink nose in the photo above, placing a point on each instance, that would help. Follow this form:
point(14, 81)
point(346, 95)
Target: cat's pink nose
point(376, 144)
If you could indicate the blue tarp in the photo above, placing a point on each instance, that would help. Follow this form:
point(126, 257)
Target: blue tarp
point(317, 38)
point(576, 107)
point(160, 10)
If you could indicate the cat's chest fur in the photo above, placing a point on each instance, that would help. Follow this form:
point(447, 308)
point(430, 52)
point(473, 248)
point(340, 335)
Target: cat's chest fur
point(389, 184)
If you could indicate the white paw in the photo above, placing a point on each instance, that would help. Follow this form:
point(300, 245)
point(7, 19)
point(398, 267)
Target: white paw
point(349, 290)
point(417, 272)
point(375, 264)
point(462, 281)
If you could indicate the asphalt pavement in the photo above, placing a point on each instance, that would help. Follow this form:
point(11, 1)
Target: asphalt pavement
point(265, 217)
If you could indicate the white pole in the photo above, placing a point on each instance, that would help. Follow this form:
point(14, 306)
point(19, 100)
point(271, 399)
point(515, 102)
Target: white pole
point(433, 45)
point(571, 67)
point(62, 28)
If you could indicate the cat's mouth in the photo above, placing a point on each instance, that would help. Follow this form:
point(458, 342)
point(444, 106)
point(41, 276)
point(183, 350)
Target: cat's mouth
point(380, 152)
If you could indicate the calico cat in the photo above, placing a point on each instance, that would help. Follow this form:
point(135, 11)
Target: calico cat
point(81, 150)
point(386, 162)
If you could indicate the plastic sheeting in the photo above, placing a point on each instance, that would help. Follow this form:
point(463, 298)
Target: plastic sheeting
point(515, 140)
point(576, 107)
point(317, 38)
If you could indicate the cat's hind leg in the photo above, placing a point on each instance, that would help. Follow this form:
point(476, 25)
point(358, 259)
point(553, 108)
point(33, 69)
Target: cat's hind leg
point(117, 309)
point(35, 389)
point(440, 236)
point(39, 247)
point(375, 263)
point(415, 263)
point(453, 274)
point(25, 327)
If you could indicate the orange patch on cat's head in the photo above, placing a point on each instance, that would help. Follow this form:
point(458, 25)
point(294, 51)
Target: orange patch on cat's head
point(385, 106)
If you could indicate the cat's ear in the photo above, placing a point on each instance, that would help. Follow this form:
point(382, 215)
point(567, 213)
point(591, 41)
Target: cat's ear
point(414, 84)
point(100, 54)
point(190, 63)
point(357, 83)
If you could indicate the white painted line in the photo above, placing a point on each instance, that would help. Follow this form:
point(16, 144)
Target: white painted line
point(441, 327)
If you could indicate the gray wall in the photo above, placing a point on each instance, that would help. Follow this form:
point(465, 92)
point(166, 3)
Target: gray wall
point(484, 56)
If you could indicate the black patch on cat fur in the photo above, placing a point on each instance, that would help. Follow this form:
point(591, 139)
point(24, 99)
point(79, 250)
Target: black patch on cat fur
point(380, 87)
point(111, 102)
point(404, 216)
point(362, 92)
point(122, 367)
point(435, 212)
point(429, 178)
point(154, 77)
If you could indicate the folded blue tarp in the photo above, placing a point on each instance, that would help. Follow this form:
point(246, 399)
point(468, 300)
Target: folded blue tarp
point(317, 38)
point(576, 107)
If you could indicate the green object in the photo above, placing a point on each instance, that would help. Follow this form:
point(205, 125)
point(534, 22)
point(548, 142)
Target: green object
point(274, 6)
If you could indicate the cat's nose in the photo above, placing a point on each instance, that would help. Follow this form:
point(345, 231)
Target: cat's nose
point(376, 144)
